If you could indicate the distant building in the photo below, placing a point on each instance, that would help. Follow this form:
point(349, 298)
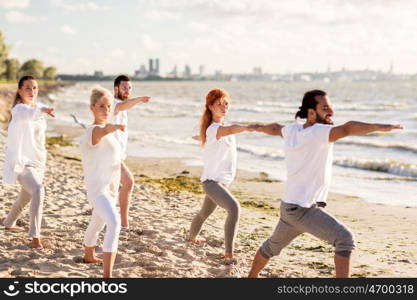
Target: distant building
point(98, 74)
point(187, 72)
point(201, 71)
point(156, 66)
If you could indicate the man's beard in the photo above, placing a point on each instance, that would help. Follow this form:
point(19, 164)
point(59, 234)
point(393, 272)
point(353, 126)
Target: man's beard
point(321, 120)
point(122, 96)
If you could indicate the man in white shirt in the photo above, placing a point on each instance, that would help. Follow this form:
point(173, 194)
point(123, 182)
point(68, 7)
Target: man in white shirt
point(121, 103)
point(309, 155)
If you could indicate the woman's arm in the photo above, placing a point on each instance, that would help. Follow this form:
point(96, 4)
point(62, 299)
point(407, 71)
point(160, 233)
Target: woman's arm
point(232, 129)
point(99, 132)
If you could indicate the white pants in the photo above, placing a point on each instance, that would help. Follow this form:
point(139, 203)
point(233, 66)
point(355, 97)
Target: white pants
point(104, 213)
point(32, 188)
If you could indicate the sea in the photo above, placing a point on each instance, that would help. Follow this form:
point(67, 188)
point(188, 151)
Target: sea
point(379, 167)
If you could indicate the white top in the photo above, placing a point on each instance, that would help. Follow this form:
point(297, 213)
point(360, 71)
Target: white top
point(219, 156)
point(25, 141)
point(101, 164)
point(121, 119)
point(309, 158)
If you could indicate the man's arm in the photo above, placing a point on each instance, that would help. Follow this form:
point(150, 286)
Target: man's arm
point(271, 129)
point(358, 128)
point(129, 103)
point(98, 132)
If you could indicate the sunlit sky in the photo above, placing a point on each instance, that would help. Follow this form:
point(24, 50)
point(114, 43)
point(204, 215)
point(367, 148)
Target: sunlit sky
point(229, 35)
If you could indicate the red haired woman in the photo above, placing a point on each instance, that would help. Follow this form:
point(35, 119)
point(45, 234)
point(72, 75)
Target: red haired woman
point(219, 157)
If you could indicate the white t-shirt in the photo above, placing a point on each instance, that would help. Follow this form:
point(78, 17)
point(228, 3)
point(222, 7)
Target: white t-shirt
point(309, 158)
point(121, 119)
point(219, 156)
point(101, 164)
point(25, 141)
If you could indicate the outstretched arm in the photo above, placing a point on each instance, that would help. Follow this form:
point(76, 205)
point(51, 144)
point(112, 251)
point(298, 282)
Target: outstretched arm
point(271, 129)
point(100, 132)
point(232, 129)
point(358, 128)
point(129, 103)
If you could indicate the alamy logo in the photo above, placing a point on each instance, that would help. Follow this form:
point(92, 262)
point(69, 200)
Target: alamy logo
point(11, 290)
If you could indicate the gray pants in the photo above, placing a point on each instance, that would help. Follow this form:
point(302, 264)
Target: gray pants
point(32, 188)
point(296, 220)
point(217, 194)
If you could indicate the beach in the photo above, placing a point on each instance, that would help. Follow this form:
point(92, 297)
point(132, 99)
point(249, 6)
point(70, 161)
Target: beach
point(166, 197)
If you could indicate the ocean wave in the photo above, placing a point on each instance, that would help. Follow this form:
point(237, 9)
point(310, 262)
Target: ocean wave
point(386, 166)
point(261, 151)
point(398, 146)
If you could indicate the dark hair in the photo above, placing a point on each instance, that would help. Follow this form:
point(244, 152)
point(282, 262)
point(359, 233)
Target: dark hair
point(309, 101)
point(22, 80)
point(119, 79)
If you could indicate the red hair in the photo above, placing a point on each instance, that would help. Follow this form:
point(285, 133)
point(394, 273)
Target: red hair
point(207, 117)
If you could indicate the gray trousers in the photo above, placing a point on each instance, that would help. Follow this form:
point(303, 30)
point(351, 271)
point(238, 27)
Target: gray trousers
point(296, 220)
point(32, 188)
point(218, 195)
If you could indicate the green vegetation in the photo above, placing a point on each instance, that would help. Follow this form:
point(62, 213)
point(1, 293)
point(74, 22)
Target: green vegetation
point(177, 184)
point(61, 141)
point(264, 177)
point(11, 69)
point(258, 204)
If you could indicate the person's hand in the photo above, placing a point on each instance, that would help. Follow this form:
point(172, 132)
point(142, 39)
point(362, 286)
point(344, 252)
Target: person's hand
point(113, 127)
point(49, 110)
point(389, 127)
point(145, 99)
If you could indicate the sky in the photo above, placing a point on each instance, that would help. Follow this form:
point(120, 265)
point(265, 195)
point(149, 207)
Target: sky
point(229, 35)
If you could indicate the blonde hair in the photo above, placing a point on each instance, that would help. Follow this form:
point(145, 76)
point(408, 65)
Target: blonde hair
point(207, 117)
point(97, 93)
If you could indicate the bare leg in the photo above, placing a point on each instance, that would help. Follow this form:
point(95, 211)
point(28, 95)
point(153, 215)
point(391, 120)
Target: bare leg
point(108, 263)
point(127, 184)
point(90, 255)
point(259, 262)
point(343, 266)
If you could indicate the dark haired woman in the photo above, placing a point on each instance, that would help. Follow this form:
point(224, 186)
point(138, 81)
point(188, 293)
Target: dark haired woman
point(26, 156)
point(219, 156)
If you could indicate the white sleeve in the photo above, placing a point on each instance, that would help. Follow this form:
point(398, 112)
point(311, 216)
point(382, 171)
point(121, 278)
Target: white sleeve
point(87, 139)
point(211, 132)
point(322, 132)
point(25, 112)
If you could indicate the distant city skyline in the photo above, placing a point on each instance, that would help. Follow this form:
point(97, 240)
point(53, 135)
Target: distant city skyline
point(234, 36)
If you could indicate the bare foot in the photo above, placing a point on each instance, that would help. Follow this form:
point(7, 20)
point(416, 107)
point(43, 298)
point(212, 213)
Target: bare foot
point(229, 259)
point(92, 260)
point(14, 228)
point(36, 243)
point(198, 241)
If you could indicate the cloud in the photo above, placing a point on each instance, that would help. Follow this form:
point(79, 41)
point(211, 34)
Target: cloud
point(14, 4)
point(15, 16)
point(117, 53)
point(199, 27)
point(68, 29)
point(148, 42)
point(77, 6)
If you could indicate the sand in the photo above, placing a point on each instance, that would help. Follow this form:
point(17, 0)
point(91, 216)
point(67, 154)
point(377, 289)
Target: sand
point(156, 245)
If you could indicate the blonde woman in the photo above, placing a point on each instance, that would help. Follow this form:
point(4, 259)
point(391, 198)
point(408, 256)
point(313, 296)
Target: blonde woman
point(219, 157)
point(101, 158)
point(26, 157)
